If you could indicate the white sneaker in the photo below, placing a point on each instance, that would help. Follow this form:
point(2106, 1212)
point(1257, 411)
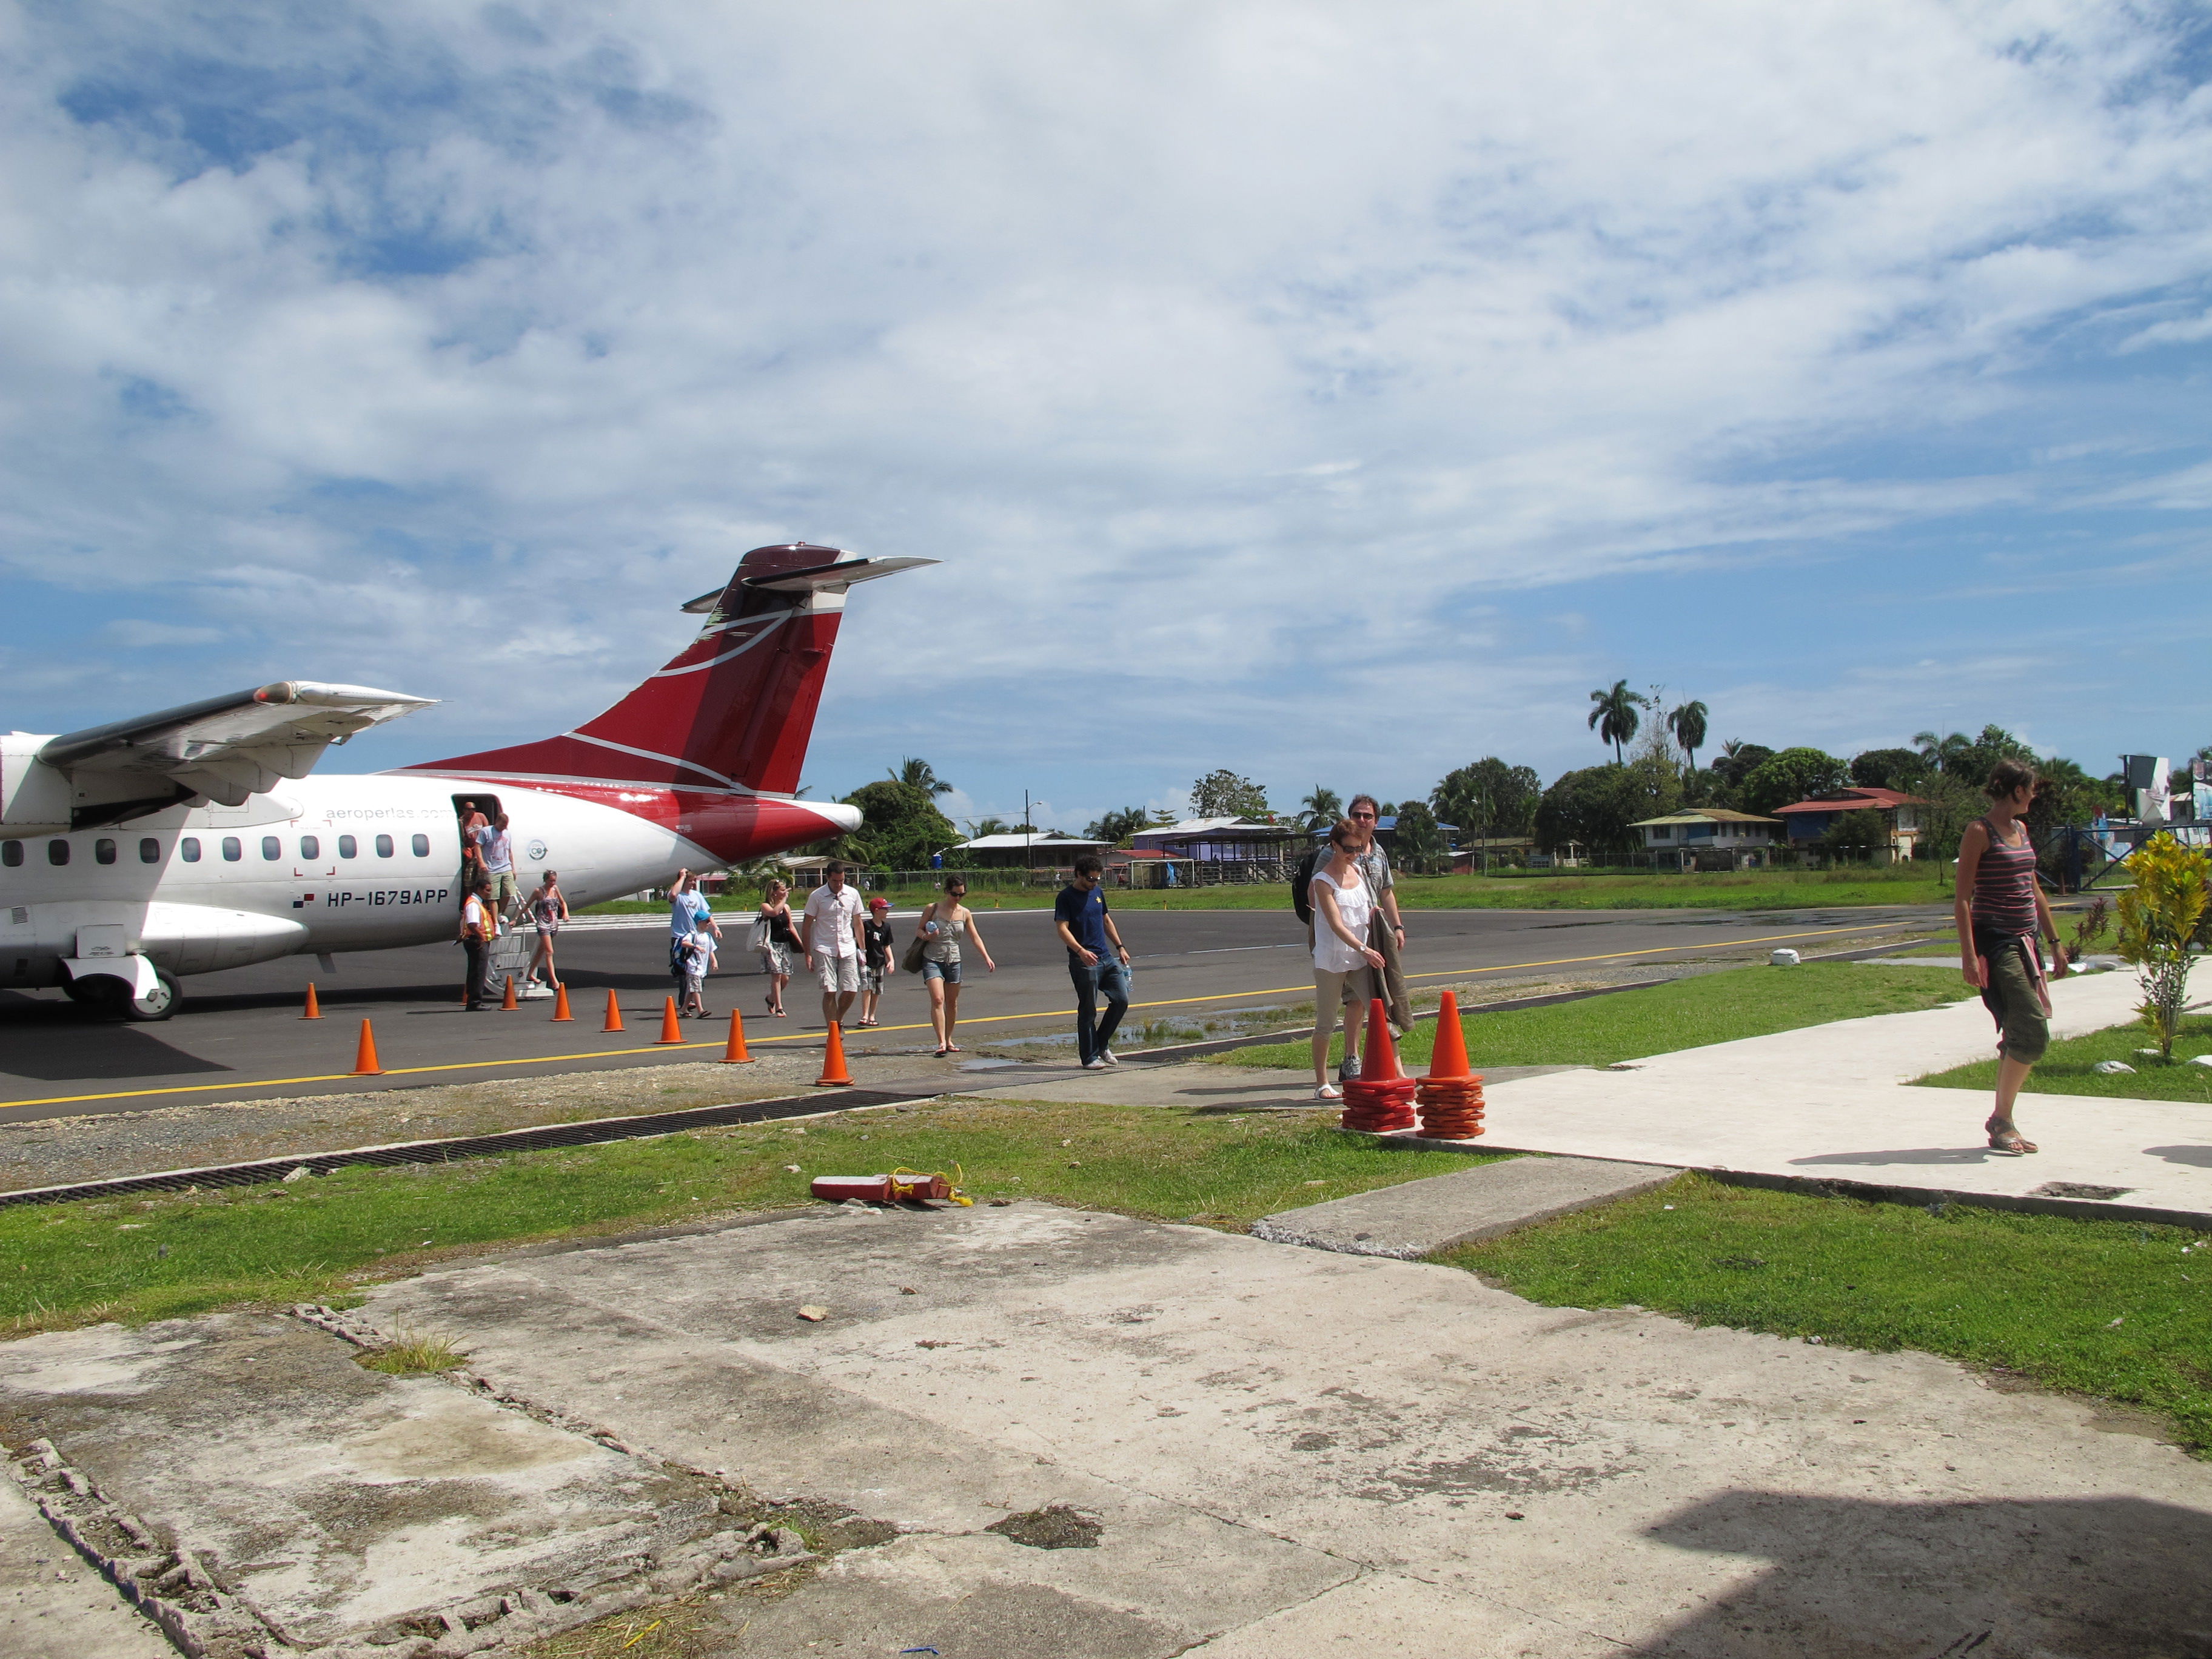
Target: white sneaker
point(1328, 1092)
point(1110, 1057)
point(1094, 1065)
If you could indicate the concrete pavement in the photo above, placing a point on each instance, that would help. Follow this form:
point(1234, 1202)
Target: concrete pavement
point(1254, 1450)
point(1833, 1102)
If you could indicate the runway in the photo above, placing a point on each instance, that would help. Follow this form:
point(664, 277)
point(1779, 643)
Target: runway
point(240, 1036)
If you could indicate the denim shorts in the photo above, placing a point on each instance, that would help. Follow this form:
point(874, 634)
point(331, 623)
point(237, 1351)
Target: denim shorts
point(947, 971)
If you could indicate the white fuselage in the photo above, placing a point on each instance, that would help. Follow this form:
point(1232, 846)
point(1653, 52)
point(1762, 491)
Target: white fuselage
point(321, 865)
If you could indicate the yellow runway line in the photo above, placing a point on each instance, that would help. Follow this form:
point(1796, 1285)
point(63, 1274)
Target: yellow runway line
point(808, 1036)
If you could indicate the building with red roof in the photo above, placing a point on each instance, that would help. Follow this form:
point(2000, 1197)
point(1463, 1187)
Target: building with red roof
point(1809, 820)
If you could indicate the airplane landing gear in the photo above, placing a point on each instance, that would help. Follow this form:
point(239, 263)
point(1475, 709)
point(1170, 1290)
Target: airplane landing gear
point(158, 1003)
point(114, 996)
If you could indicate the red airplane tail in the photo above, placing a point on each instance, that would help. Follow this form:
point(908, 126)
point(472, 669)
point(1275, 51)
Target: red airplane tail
point(734, 709)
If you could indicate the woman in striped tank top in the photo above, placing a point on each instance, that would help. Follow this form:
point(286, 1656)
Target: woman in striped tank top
point(2000, 910)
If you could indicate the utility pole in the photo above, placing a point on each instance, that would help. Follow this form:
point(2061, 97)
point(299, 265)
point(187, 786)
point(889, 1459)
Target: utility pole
point(1029, 833)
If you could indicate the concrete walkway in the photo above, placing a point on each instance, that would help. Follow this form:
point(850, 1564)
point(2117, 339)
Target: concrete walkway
point(1267, 1451)
point(1831, 1102)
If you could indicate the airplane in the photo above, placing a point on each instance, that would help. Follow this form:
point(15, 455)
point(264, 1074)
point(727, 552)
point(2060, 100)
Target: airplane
point(137, 853)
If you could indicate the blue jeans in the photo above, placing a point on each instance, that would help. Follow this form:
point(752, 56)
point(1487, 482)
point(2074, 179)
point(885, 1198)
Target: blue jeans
point(1107, 977)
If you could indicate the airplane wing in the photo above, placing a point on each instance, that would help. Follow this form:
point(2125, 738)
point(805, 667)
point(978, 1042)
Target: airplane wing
point(225, 748)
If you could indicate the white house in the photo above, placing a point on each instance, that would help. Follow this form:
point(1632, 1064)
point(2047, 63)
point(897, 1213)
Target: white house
point(1709, 837)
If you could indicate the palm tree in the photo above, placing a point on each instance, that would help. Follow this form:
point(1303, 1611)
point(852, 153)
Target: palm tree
point(1942, 754)
point(979, 827)
point(1321, 808)
point(1615, 719)
point(920, 774)
point(1688, 723)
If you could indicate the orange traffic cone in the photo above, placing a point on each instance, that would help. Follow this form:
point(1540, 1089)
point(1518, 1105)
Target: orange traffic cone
point(364, 1056)
point(1449, 1058)
point(508, 1004)
point(669, 1030)
point(614, 1012)
point(561, 1003)
point(314, 1008)
point(1378, 1060)
point(735, 1054)
point(833, 1059)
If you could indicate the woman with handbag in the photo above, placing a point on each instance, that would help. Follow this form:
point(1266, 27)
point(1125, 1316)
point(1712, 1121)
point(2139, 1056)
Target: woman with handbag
point(934, 953)
point(774, 938)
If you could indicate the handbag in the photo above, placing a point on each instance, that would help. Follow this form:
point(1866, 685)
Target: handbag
point(757, 938)
point(911, 961)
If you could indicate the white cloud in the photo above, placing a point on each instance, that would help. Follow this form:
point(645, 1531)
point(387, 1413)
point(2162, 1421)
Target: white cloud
point(1239, 362)
point(131, 631)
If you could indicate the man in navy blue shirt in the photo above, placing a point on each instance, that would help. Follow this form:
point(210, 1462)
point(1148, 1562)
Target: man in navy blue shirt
point(1098, 962)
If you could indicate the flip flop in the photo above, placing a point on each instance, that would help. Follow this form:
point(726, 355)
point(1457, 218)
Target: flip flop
point(2010, 1142)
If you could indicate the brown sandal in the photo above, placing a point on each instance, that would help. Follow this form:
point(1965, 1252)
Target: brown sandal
point(2008, 1141)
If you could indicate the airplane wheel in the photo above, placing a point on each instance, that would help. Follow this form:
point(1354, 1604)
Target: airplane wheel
point(157, 1004)
point(86, 994)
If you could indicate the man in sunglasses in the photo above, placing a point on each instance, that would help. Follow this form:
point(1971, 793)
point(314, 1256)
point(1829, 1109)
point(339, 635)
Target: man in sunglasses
point(1098, 962)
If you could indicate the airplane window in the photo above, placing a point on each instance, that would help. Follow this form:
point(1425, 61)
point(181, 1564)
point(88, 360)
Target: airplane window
point(384, 847)
point(422, 847)
point(310, 848)
point(271, 847)
point(189, 846)
point(232, 851)
point(149, 850)
point(11, 853)
point(58, 852)
point(348, 847)
point(104, 850)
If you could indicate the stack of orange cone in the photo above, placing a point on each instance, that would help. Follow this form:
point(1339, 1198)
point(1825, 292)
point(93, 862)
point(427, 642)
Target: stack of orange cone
point(1380, 1100)
point(833, 1059)
point(1450, 1095)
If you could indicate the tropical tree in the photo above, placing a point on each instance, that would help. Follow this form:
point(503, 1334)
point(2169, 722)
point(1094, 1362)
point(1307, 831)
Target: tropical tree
point(1118, 826)
point(1887, 769)
point(900, 826)
point(1321, 808)
point(1737, 761)
point(1599, 806)
point(1417, 843)
point(1223, 794)
point(1793, 774)
point(979, 827)
point(1615, 719)
point(1688, 723)
point(920, 774)
point(1856, 832)
point(1489, 798)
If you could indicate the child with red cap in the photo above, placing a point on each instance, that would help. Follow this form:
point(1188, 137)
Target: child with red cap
point(876, 962)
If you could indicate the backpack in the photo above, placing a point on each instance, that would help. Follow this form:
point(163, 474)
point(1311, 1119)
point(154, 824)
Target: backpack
point(1299, 878)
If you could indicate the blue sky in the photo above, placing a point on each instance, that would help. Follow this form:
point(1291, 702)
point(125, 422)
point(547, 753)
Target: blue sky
point(1333, 395)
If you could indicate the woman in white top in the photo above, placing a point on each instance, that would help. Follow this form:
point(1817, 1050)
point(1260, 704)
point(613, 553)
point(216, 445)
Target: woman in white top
point(1344, 965)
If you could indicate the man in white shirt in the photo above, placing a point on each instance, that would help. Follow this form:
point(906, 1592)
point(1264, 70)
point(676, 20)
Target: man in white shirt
point(832, 936)
point(496, 849)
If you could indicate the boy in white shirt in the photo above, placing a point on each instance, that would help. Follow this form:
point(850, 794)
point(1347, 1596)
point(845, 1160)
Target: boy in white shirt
point(698, 962)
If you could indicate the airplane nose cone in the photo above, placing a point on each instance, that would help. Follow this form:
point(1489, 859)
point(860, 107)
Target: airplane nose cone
point(847, 818)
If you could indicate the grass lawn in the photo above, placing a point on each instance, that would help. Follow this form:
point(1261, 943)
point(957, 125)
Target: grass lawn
point(1522, 890)
point(2102, 1308)
point(2065, 1066)
point(315, 1240)
point(1683, 1013)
